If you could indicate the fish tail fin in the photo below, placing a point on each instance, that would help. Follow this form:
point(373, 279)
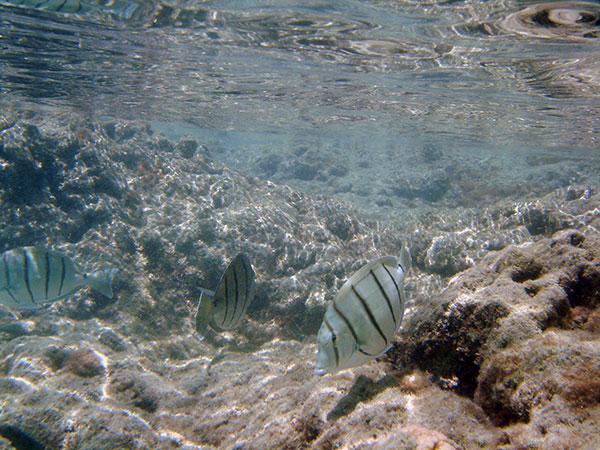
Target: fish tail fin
point(405, 260)
point(204, 313)
point(102, 281)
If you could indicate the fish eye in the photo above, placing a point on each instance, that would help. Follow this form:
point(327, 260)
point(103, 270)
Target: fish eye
point(333, 338)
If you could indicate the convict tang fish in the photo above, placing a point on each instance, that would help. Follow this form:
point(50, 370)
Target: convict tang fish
point(361, 321)
point(32, 276)
point(223, 308)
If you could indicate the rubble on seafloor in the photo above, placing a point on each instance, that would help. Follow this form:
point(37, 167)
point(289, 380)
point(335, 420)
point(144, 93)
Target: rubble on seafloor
point(499, 349)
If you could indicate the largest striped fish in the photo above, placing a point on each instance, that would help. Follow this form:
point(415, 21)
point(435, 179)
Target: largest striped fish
point(32, 276)
point(223, 308)
point(361, 321)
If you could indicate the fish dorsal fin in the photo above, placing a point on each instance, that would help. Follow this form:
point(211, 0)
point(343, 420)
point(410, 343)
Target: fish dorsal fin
point(204, 313)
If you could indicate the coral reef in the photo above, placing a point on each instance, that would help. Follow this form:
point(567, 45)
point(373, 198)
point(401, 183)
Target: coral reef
point(499, 348)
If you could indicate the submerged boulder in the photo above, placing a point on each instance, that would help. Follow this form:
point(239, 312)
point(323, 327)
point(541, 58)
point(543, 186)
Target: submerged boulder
point(519, 333)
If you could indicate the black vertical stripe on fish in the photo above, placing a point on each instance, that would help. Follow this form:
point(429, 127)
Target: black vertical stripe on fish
point(396, 285)
point(26, 274)
point(246, 286)
point(47, 281)
point(62, 275)
point(12, 296)
point(8, 279)
point(333, 342)
point(237, 296)
point(61, 5)
point(225, 281)
point(347, 322)
point(244, 294)
point(7, 270)
point(369, 314)
point(387, 298)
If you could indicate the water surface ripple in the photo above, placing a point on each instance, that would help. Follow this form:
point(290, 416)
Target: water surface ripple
point(500, 71)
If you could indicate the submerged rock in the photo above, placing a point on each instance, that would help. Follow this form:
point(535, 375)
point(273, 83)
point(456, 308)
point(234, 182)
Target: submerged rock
point(501, 311)
point(519, 333)
point(430, 186)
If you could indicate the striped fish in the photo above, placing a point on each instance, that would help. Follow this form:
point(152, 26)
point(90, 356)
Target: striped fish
point(361, 322)
point(32, 276)
point(223, 308)
point(122, 9)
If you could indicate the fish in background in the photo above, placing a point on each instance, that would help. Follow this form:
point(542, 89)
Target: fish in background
point(223, 308)
point(362, 320)
point(31, 277)
point(122, 9)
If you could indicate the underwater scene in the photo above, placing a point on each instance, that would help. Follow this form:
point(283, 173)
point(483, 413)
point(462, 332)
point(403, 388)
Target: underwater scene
point(252, 225)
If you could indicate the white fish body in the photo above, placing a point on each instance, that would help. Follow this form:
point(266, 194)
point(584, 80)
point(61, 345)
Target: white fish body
point(32, 276)
point(362, 320)
point(223, 308)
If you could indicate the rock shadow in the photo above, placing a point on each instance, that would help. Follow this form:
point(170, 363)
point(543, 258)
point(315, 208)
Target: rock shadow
point(20, 439)
point(363, 389)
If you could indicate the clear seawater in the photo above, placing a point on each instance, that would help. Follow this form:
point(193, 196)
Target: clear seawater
point(379, 94)
point(473, 76)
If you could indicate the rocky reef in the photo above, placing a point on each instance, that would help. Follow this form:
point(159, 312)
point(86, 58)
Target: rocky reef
point(500, 347)
point(519, 335)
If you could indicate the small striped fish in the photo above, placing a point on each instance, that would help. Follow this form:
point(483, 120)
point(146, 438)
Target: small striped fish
point(223, 308)
point(361, 322)
point(32, 276)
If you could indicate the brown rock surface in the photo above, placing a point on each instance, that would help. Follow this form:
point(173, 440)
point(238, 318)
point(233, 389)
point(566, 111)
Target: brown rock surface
point(519, 334)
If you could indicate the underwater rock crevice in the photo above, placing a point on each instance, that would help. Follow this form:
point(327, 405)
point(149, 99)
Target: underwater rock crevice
point(583, 288)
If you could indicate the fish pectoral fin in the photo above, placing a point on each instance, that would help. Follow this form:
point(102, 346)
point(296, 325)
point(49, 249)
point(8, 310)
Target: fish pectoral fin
point(204, 314)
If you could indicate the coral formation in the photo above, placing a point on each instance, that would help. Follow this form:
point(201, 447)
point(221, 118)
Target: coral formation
point(499, 347)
